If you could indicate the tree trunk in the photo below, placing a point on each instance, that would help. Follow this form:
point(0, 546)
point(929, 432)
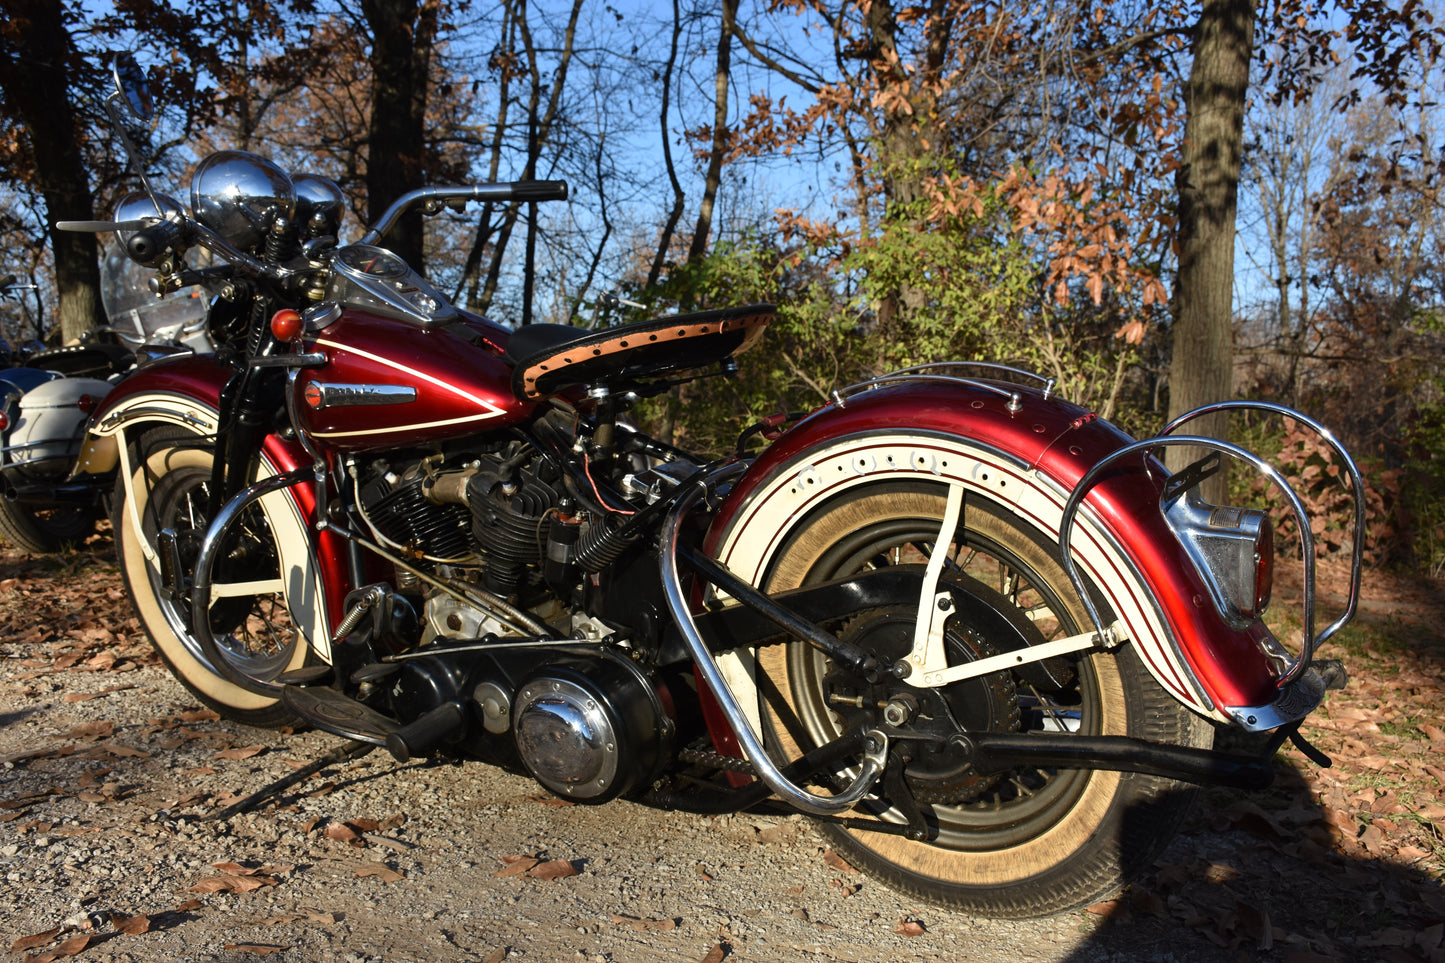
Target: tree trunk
point(402, 34)
point(36, 82)
point(718, 147)
point(1202, 370)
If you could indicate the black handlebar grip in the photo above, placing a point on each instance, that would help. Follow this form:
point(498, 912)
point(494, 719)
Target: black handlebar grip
point(540, 190)
point(149, 245)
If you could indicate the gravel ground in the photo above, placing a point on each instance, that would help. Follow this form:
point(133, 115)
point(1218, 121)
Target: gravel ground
point(108, 807)
point(111, 777)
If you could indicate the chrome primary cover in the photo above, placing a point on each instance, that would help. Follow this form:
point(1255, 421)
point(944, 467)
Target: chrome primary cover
point(239, 195)
point(566, 738)
point(591, 729)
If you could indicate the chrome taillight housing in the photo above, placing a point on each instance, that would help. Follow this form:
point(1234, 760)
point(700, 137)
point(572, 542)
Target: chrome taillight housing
point(1232, 549)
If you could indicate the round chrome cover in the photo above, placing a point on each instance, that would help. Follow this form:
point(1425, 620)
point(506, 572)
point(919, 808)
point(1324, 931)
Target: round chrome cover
point(239, 195)
point(319, 205)
point(138, 206)
point(566, 738)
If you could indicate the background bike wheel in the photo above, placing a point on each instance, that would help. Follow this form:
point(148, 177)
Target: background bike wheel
point(45, 530)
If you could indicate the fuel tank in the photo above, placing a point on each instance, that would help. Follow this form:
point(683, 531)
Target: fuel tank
point(390, 383)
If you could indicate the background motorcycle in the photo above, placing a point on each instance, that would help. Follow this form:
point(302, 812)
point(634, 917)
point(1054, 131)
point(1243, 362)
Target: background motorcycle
point(46, 399)
point(980, 635)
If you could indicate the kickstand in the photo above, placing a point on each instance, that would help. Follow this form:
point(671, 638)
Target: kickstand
point(1313, 754)
point(342, 753)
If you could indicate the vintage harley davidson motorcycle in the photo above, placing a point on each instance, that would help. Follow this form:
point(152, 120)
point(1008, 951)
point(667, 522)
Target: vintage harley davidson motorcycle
point(981, 635)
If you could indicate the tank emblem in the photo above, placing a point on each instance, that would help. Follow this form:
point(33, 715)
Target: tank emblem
point(320, 395)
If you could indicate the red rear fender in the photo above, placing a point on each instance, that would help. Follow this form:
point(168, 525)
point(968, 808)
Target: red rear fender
point(1027, 461)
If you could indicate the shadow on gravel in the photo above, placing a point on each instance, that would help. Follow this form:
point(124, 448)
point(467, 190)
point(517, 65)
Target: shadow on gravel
point(1260, 876)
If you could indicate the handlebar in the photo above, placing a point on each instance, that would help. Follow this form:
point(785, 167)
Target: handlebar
point(495, 193)
point(149, 245)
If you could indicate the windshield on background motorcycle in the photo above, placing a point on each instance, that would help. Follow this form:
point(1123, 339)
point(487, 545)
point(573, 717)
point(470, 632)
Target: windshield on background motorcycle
point(132, 308)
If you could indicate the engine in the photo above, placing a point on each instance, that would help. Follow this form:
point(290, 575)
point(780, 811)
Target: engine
point(587, 723)
point(491, 513)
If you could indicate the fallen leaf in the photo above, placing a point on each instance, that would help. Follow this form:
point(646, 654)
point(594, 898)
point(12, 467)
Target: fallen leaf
point(553, 869)
point(243, 752)
point(385, 874)
point(838, 862)
point(496, 956)
point(516, 865)
point(37, 939)
point(259, 949)
point(131, 926)
point(70, 947)
point(92, 730)
point(907, 927)
point(231, 884)
point(716, 955)
point(644, 926)
point(343, 833)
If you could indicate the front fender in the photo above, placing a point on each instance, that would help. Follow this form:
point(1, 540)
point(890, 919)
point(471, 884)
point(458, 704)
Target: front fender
point(1027, 459)
point(185, 391)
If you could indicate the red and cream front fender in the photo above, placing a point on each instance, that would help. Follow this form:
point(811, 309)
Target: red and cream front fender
point(1025, 452)
point(184, 392)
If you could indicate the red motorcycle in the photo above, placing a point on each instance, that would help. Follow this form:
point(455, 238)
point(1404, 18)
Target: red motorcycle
point(983, 637)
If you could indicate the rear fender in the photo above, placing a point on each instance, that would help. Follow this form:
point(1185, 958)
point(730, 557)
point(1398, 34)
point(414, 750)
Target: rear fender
point(184, 392)
point(1026, 452)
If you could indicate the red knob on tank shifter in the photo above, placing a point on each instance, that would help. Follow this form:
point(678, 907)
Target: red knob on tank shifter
point(286, 325)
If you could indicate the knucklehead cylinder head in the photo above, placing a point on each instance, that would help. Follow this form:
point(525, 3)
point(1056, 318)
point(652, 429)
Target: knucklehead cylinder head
point(240, 195)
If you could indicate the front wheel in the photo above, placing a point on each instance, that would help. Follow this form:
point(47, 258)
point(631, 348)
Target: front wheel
point(1024, 843)
point(265, 598)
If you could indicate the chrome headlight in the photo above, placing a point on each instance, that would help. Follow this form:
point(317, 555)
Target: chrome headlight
point(140, 206)
point(239, 195)
point(319, 205)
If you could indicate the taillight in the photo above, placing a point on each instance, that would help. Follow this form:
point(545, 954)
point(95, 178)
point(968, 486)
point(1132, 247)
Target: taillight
point(1233, 550)
point(1263, 567)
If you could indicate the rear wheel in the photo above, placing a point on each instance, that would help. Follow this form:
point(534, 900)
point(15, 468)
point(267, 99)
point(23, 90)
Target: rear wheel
point(45, 530)
point(263, 585)
point(1028, 842)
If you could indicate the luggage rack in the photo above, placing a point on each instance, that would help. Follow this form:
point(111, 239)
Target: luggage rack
point(941, 372)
